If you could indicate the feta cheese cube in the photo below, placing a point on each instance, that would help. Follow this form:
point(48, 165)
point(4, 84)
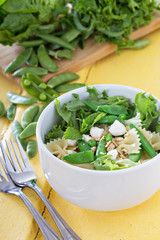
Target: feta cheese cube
point(86, 137)
point(72, 142)
point(117, 128)
point(114, 154)
point(96, 132)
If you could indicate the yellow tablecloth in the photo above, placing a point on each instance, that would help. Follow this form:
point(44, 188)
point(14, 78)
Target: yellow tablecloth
point(137, 68)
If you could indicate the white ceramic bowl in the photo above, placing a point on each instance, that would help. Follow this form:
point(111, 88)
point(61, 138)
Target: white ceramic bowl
point(92, 189)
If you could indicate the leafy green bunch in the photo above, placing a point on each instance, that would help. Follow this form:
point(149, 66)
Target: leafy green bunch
point(20, 20)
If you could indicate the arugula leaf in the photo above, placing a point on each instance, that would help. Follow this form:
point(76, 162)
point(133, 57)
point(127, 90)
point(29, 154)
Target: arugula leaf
point(72, 133)
point(90, 121)
point(92, 92)
point(54, 133)
point(75, 105)
point(146, 106)
point(63, 112)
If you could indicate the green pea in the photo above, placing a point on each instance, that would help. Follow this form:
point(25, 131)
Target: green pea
point(69, 87)
point(43, 85)
point(11, 111)
point(45, 61)
point(19, 60)
point(16, 129)
point(31, 148)
point(29, 131)
point(27, 82)
point(108, 137)
point(62, 78)
point(28, 115)
point(2, 109)
point(42, 97)
point(36, 70)
point(18, 99)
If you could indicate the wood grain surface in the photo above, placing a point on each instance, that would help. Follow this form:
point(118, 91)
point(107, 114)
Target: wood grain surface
point(91, 53)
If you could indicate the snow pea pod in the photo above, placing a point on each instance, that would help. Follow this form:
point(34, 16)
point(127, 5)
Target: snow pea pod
point(19, 60)
point(108, 137)
point(113, 109)
point(140, 43)
point(18, 99)
point(109, 119)
point(80, 157)
point(65, 53)
point(2, 109)
point(62, 78)
point(31, 148)
point(83, 145)
point(16, 129)
point(39, 112)
point(68, 87)
point(36, 70)
point(32, 43)
point(45, 61)
point(55, 40)
point(101, 149)
point(33, 60)
point(135, 156)
point(11, 111)
point(35, 89)
point(29, 131)
point(28, 115)
point(92, 143)
point(70, 35)
point(145, 144)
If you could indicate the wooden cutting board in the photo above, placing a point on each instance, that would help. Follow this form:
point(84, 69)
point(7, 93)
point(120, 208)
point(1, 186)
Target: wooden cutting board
point(91, 53)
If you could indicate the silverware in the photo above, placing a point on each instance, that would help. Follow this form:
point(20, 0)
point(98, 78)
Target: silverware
point(25, 176)
point(7, 186)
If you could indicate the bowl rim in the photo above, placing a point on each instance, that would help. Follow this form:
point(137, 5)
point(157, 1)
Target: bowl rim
point(41, 144)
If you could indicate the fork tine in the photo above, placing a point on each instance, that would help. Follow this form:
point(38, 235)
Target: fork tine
point(5, 170)
point(6, 159)
point(17, 156)
point(12, 158)
point(23, 155)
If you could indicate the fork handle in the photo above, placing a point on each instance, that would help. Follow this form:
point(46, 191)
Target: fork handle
point(65, 230)
point(48, 232)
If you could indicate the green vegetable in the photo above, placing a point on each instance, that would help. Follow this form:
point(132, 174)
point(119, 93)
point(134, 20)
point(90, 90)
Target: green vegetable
point(18, 99)
point(19, 60)
point(80, 157)
point(53, 39)
point(2, 109)
point(45, 61)
point(145, 144)
point(68, 87)
point(101, 149)
point(146, 106)
point(33, 60)
point(28, 115)
point(70, 35)
point(83, 146)
point(108, 137)
point(11, 111)
point(65, 53)
point(90, 121)
point(72, 133)
point(16, 129)
point(35, 70)
point(135, 156)
point(54, 133)
point(115, 109)
point(32, 84)
point(62, 78)
point(157, 127)
point(39, 112)
point(140, 43)
point(63, 112)
point(29, 131)
point(32, 43)
point(105, 163)
point(31, 148)
point(92, 143)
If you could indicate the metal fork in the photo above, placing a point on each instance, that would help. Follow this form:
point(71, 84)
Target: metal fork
point(7, 186)
point(25, 176)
